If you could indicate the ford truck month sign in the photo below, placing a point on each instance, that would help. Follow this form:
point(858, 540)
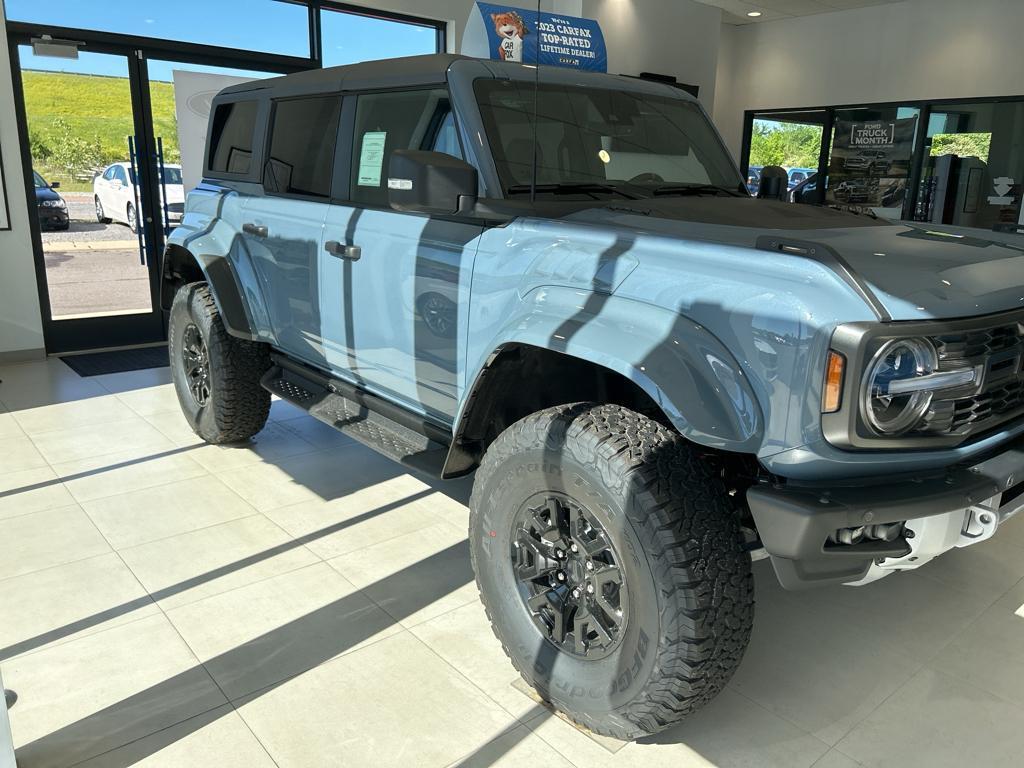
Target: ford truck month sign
point(548, 39)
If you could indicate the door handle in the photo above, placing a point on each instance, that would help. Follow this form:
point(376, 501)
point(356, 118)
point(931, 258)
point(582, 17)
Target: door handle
point(256, 230)
point(350, 252)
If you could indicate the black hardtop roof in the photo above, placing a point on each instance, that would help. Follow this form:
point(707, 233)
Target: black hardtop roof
point(366, 75)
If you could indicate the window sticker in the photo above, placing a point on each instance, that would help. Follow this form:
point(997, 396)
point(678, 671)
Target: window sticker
point(371, 158)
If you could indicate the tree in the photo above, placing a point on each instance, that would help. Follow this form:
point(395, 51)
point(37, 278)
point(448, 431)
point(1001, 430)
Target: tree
point(793, 145)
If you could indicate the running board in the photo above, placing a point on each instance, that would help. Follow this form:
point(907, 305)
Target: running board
point(358, 420)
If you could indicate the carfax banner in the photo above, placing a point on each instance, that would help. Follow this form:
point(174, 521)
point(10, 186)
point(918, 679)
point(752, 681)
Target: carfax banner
point(508, 33)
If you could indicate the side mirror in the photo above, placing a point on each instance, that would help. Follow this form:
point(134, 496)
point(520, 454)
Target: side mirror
point(430, 182)
point(55, 185)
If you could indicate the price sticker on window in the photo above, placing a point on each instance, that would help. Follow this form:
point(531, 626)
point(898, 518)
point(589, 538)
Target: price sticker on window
point(371, 158)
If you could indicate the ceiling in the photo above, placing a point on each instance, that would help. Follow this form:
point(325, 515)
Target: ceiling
point(735, 11)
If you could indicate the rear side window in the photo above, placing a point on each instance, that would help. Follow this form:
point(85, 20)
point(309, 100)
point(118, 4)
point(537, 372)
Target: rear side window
point(420, 119)
point(231, 137)
point(303, 137)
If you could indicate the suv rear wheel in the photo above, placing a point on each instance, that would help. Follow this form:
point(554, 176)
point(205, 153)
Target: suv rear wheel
point(611, 565)
point(216, 376)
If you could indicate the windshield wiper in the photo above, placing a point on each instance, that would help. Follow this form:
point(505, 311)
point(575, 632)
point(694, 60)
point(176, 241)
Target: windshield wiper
point(572, 188)
point(694, 189)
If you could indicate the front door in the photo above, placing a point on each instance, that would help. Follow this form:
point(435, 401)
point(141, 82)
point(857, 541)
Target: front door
point(394, 318)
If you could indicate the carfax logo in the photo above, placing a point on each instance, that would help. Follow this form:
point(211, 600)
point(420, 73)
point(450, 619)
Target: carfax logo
point(872, 134)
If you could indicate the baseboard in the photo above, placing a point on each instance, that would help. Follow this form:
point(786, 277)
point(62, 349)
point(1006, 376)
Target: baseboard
point(22, 356)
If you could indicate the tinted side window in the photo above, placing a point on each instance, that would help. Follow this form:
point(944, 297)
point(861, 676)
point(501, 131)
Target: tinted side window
point(303, 137)
point(403, 120)
point(231, 137)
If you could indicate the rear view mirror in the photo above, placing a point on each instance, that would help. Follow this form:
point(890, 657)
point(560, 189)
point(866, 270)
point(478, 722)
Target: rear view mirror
point(430, 182)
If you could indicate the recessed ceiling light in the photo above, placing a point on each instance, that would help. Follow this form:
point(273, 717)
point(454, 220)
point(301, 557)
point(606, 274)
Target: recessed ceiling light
point(753, 14)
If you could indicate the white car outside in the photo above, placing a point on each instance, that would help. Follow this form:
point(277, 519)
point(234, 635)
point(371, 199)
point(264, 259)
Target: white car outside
point(116, 198)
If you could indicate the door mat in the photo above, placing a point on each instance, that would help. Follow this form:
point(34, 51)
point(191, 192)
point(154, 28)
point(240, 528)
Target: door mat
point(99, 363)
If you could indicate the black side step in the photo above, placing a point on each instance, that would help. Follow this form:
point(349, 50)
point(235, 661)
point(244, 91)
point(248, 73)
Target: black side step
point(321, 398)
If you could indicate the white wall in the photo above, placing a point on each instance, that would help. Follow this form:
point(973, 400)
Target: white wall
point(21, 330)
point(670, 37)
point(918, 49)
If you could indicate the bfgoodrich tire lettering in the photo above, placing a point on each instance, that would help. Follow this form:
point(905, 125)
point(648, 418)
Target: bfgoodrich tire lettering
point(231, 406)
point(690, 587)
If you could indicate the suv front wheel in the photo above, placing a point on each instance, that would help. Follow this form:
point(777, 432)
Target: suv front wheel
point(216, 376)
point(611, 566)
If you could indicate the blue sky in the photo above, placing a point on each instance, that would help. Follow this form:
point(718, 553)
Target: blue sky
point(258, 25)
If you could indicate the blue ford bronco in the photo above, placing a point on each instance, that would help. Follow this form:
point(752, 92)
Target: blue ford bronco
point(558, 282)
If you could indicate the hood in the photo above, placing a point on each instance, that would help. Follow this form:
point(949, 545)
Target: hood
point(45, 193)
point(916, 272)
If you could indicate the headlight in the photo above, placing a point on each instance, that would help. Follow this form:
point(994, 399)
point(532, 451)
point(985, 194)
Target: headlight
point(53, 204)
point(889, 405)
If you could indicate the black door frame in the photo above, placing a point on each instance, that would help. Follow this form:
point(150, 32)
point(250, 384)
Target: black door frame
point(137, 328)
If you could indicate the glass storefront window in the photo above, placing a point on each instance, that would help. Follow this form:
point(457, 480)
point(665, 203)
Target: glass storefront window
point(241, 24)
point(974, 168)
point(790, 140)
point(349, 37)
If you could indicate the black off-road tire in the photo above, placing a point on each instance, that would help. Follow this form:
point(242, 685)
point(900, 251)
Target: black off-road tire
point(691, 593)
point(236, 407)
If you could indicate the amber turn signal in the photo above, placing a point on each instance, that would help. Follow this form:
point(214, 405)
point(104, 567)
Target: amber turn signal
point(834, 370)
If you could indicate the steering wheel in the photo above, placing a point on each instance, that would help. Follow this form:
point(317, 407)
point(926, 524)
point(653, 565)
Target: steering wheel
point(647, 178)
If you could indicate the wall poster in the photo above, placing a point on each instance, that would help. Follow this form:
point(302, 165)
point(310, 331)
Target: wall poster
point(870, 163)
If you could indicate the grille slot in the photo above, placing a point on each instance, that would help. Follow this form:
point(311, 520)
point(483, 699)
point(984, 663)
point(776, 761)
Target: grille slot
point(999, 401)
point(969, 345)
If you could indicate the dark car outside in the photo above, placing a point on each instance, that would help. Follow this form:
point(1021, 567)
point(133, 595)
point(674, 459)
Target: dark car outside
point(53, 211)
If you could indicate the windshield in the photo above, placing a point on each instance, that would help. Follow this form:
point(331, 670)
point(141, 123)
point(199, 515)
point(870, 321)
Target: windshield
point(169, 175)
point(40, 182)
point(601, 140)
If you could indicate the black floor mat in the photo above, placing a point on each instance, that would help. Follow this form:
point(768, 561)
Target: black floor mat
point(99, 363)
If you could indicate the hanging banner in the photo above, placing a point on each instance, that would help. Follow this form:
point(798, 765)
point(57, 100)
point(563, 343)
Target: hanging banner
point(507, 33)
point(870, 163)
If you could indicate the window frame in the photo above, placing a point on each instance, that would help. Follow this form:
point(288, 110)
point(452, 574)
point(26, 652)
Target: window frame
point(342, 192)
point(268, 137)
point(258, 137)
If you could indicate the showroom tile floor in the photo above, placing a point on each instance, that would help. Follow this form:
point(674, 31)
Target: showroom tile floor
point(304, 602)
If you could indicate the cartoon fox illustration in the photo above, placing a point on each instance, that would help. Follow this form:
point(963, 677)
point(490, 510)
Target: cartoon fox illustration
point(511, 30)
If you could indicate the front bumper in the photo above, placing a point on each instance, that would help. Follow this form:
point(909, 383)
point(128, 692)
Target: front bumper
point(797, 523)
point(53, 218)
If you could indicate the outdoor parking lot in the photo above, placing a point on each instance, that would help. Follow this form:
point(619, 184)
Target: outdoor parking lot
point(94, 268)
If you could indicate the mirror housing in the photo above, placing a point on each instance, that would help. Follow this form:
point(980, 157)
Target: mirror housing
point(430, 182)
point(55, 185)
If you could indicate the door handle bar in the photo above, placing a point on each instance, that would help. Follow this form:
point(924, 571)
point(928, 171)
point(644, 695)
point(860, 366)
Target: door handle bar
point(256, 230)
point(349, 252)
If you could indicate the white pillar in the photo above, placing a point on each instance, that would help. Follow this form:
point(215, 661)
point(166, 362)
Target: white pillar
point(6, 740)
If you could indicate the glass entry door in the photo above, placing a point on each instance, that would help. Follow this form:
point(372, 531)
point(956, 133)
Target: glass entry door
point(93, 175)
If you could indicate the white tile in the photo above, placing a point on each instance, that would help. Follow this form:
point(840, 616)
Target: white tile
point(464, 639)
point(282, 410)
point(515, 749)
point(100, 476)
point(90, 411)
point(826, 686)
point(935, 721)
point(99, 692)
point(8, 426)
point(134, 381)
point(69, 601)
point(990, 652)
point(30, 385)
point(362, 518)
point(174, 425)
point(313, 477)
point(31, 490)
point(127, 437)
point(391, 704)
point(218, 736)
point(198, 564)
point(835, 759)
point(18, 453)
point(277, 628)
point(987, 569)
point(48, 538)
point(148, 514)
point(151, 400)
point(315, 432)
point(414, 577)
point(271, 445)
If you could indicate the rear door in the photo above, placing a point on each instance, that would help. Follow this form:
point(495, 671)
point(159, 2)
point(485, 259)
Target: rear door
point(283, 228)
point(394, 318)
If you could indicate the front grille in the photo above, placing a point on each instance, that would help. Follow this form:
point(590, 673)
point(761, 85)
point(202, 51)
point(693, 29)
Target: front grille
point(996, 353)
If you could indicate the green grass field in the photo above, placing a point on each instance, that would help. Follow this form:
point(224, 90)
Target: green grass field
point(79, 122)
